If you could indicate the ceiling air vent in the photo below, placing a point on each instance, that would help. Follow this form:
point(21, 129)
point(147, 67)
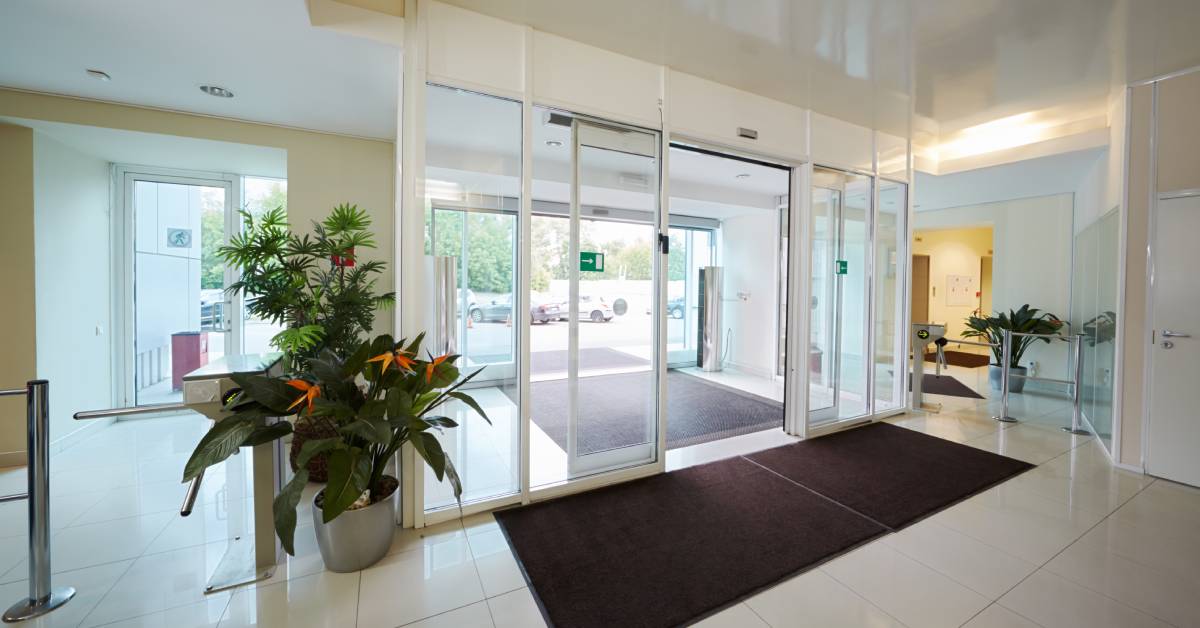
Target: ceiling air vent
point(634, 180)
point(749, 134)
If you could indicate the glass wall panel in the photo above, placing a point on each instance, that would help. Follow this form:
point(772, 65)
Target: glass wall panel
point(473, 191)
point(890, 247)
point(260, 195)
point(1093, 314)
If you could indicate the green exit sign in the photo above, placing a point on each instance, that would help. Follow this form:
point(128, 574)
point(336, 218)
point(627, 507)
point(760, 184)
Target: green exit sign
point(841, 267)
point(589, 261)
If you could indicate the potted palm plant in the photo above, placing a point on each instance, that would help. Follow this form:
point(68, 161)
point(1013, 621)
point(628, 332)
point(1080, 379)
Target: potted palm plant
point(1026, 320)
point(314, 287)
point(373, 402)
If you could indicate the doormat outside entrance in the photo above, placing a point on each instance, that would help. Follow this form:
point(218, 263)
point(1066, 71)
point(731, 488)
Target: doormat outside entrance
point(675, 547)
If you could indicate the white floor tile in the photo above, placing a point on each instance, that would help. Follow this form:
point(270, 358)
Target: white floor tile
point(996, 616)
point(475, 615)
point(903, 588)
point(64, 510)
point(98, 543)
point(206, 614)
point(1050, 600)
point(91, 584)
point(498, 569)
point(324, 600)
point(816, 599)
point(1028, 443)
point(1100, 561)
point(981, 567)
point(159, 582)
point(737, 616)
point(516, 609)
point(420, 583)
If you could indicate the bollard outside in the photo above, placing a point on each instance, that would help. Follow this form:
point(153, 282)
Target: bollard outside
point(1006, 358)
point(42, 598)
point(1076, 426)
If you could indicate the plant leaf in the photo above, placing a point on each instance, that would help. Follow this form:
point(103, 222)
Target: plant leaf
point(284, 508)
point(345, 483)
point(270, 392)
point(218, 444)
point(267, 433)
point(312, 448)
point(470, 401)
point(430, 449)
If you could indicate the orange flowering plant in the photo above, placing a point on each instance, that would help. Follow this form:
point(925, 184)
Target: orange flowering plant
point(385, 394)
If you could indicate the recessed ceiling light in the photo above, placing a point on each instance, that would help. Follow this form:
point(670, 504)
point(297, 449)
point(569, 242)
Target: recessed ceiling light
point(99, 74)
point(554, 143)
point(219, 92)
point(742, 175)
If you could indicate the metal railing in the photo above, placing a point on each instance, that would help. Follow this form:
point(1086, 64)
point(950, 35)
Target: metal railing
point(42, 597)
point(1076, 426)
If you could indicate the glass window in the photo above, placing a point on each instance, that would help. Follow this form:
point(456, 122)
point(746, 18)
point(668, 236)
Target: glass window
point(259, 195)
point(889, 299)
point(472, 197)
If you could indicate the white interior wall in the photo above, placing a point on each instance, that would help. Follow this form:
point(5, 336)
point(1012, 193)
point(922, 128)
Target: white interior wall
point(1031, 261)
point(748, 252)
point(71, 239)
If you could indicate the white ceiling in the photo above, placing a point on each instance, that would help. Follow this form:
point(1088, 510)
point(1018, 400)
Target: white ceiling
point(1055, 174)
point(281, 69)
point(163, 151)
point(956, 62)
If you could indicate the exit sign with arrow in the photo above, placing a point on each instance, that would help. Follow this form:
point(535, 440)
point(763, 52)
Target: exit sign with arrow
point(592, 262)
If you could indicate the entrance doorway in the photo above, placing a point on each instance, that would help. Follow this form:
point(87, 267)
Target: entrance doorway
point(594, 298)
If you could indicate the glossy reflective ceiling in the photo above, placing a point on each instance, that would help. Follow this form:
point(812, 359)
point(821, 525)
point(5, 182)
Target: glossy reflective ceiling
point(956, 63)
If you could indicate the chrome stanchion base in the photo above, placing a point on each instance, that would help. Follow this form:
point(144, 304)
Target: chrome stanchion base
point(1004, 419)
point(28, 609)
point(1077, 431)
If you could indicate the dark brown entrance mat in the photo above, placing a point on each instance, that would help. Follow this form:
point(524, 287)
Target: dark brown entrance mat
point(890, 474)
point(944, 385)
point(668, 549)
point(961, 358)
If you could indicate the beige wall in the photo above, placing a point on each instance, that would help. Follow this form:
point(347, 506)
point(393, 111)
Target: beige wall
point(953, 252)
point(322, 170)
point(18, 362)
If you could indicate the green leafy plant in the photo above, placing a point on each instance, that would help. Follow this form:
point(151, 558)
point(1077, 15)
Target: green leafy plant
point(1026, 320)
point(314, 285)
point(379, 398)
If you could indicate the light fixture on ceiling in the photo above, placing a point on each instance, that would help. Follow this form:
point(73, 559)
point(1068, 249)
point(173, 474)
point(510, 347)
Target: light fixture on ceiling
point(742, 175)
point(554, 143)
point(214, 90)
point(99, 75)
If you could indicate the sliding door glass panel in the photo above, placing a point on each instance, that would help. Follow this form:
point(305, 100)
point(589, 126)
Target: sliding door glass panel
point(853, 360)
point(616, 387)
point(691, 250)
point(473, 193)
point(182, 316)
point(822, 350)
point(260, 195)
point(889, 298)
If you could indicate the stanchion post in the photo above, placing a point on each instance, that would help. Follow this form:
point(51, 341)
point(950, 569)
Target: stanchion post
point(42, 598)
point(1006, 358)
point(1076, 426)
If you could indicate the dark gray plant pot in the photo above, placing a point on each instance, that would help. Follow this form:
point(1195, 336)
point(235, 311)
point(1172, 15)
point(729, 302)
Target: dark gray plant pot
point(1015, 384)
point(356, 539)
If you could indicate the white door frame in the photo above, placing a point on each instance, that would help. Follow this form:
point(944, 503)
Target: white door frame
point(123, 240)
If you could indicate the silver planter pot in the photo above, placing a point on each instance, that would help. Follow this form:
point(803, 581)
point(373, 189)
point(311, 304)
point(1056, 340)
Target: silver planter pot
point(356, 539)
point(1015, 384)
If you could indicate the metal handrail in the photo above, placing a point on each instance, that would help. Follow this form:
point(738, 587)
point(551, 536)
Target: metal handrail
point(42, 597)
point(1076, 426)
point(117, 412)
point(960, 341)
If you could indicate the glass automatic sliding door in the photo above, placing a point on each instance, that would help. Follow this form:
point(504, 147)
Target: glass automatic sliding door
point(594, 287)
point(838, 351)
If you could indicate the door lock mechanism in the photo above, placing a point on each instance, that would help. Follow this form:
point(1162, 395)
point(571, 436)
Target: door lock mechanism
point(1167, 344)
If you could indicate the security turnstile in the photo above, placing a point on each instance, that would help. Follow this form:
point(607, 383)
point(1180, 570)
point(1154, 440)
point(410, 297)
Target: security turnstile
point(246, 559)
point(923, 335)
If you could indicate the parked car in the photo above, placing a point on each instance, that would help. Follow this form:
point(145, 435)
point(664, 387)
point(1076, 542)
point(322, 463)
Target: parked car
point(675, 307)
point(493, 311)
point(543, 310)
point(594, 309)
point(212, 304)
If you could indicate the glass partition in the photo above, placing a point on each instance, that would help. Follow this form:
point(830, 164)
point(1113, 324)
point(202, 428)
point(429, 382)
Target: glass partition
point(890, 249)
point(473, 191)
point(1094, 314)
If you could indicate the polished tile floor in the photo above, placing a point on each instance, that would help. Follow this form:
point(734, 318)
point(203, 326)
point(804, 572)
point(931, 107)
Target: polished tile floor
point(1074, 542)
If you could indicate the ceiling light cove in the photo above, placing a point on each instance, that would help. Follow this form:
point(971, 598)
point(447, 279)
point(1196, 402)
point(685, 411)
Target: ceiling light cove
point(215, 90)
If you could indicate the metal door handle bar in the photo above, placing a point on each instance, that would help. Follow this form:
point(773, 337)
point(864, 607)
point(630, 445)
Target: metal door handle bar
point(1166, 333)
point(189, 499)
point(114, 412)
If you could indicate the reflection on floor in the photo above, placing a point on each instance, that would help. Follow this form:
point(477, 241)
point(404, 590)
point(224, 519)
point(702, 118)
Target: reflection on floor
point(1075, 543)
